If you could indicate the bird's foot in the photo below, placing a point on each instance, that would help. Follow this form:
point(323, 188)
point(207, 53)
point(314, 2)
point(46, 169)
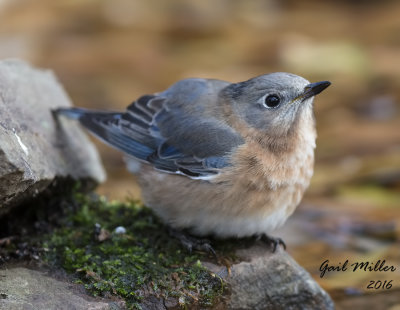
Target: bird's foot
point(192, 243)
point(273, 241)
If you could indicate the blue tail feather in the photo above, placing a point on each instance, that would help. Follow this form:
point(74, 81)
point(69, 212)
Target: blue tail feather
point(72, 113)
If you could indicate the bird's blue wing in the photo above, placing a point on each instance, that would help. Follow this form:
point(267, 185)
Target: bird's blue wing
point(174, 130)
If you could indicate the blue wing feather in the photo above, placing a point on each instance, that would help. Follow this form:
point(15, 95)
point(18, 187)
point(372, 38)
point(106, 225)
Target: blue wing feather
point(169, 130)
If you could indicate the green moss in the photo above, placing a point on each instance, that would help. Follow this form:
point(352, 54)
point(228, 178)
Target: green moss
point(143, 261)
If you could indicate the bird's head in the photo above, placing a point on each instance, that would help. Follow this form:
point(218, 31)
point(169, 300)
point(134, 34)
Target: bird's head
point(273, 103)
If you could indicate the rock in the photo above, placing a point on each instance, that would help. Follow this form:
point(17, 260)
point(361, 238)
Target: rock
point(259, 280)
point(266, 280)
point(34, 151)
point(22, 288)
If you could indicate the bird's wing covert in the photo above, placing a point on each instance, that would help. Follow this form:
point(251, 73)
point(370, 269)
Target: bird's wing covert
point(162, 130)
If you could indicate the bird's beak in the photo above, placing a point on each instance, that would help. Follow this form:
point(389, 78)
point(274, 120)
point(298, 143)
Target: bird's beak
point(314, 89)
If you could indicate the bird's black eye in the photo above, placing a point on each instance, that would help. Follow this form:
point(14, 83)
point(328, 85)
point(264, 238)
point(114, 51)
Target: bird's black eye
point(272, 101)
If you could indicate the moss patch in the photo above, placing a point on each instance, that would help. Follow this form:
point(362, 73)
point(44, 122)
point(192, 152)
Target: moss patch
point(140, 262)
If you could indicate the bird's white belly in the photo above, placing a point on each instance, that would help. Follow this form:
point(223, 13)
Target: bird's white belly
point(242, 226)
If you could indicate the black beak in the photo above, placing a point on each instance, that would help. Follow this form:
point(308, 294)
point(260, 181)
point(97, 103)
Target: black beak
point(315, 88)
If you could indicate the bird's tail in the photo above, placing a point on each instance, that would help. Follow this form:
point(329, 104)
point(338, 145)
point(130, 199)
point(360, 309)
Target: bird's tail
point(72, 113)
point(104, 125)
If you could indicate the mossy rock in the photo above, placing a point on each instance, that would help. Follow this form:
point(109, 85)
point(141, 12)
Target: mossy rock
point(141, 261)
point(123, 251)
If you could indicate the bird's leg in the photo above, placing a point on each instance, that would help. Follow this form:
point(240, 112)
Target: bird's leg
point(190, 242)
point(272, 241)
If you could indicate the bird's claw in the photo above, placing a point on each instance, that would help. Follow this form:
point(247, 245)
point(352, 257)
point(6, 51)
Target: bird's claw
point(192, 243)
point(274, 241)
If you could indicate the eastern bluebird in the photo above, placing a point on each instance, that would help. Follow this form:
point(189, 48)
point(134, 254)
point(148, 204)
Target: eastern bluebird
point(220, 158)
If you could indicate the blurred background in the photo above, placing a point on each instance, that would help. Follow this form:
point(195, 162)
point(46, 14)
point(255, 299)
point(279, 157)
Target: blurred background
point(107, 53)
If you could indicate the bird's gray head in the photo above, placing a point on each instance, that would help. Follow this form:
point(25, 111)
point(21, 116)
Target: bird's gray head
point(273, 102)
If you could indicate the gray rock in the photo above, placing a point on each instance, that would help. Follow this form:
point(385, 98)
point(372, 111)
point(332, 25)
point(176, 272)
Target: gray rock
point(34, 150)
point(266, 280)
point(22, 288)
point(259, 280)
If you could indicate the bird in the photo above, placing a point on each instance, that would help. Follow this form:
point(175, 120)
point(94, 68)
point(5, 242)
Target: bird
point(214, 158)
